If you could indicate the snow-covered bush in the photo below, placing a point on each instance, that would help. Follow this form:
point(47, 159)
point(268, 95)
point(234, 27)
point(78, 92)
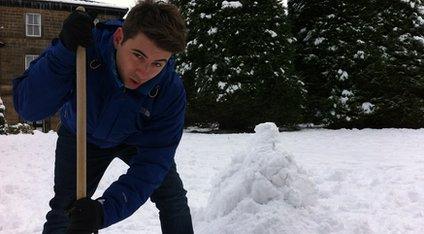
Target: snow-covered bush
point(20, 128)
point(3, 124)
point(12, 129)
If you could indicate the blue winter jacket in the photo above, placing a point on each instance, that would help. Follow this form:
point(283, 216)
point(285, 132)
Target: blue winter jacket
point(150, 118)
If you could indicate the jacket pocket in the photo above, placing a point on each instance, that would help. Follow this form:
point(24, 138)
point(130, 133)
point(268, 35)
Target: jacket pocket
point(143, 116)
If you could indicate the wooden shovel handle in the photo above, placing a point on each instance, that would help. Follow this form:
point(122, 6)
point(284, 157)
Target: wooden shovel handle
point(81, 121)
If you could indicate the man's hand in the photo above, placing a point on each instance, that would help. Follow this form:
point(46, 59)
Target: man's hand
point(76, 30)
point(86, 216)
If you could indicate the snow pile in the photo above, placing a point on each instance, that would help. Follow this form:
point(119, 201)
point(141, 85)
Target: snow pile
point(261, 191)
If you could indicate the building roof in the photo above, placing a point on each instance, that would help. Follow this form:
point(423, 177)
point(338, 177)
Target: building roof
point(88, 3)
point(69, 5)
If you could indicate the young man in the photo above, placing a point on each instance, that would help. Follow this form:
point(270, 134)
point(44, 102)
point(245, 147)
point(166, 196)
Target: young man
point(135, 111)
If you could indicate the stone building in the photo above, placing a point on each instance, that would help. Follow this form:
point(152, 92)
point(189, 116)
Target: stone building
point(26, 28)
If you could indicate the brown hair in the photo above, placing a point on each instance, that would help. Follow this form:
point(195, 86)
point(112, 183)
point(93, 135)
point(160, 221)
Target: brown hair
point(161, 22)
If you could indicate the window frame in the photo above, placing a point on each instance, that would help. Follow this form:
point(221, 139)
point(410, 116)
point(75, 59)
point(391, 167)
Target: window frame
point(28, 57)
point(33, 24)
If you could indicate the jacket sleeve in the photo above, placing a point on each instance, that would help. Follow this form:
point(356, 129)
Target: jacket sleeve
point(156, 145)
point(46, 85)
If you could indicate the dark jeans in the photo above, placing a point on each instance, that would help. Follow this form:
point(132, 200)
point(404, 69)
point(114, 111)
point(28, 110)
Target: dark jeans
point(170, 198)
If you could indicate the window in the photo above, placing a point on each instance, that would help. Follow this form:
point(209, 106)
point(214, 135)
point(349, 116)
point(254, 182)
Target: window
point(28, 59)
point(33, 24)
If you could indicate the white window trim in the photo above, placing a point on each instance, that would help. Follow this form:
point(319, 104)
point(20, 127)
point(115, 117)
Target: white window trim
point(27, 15)
point(29, 58)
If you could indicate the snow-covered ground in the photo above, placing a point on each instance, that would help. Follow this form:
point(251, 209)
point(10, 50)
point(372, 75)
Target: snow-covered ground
point(310, 181)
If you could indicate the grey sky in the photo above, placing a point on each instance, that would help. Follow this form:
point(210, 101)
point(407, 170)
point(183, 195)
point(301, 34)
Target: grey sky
point(130, 3)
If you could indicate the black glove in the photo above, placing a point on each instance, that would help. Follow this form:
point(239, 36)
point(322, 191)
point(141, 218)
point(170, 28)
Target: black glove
point(76, 30)
point(86, 216)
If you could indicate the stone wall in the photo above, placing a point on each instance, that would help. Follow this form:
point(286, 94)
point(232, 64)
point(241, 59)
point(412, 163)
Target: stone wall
point(17, 45)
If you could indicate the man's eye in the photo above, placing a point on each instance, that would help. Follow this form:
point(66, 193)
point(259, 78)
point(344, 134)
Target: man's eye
point(158, 64)
point(138, 55)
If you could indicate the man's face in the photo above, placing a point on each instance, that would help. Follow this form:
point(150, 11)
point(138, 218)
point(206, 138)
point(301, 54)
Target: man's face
point(138, 59)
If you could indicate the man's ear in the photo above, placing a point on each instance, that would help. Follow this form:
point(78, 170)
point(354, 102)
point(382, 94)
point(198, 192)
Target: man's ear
point(118, 37)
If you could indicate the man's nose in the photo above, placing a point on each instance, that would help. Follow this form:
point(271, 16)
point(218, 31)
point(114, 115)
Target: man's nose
point(142, 70)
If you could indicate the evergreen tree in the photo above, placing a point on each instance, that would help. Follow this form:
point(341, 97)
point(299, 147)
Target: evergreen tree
point(395, 82)
point(238, 65)
point(362, 61)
